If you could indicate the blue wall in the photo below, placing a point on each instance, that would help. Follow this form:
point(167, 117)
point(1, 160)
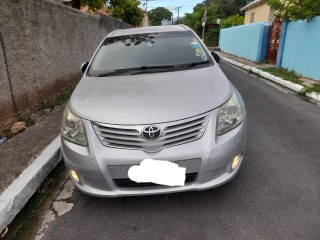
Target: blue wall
point(301, 48)
point(247, 41)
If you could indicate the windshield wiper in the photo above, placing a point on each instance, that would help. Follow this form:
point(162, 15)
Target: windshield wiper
point(144, 69)
point(175, 67)
point(190, 65)
point(139, 69)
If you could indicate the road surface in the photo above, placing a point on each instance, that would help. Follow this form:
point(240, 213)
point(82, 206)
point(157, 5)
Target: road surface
point(276, 194)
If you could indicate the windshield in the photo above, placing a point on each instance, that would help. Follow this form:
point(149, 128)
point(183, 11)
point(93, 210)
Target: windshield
point(152, 49)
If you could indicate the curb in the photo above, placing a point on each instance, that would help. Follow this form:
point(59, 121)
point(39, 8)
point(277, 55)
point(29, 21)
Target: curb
point(281, 81)
point(13, 199)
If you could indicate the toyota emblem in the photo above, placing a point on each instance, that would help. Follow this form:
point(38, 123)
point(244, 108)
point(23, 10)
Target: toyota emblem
point(151, 132)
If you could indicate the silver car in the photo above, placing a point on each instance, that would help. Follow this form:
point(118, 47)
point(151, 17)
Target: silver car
point(152, 93)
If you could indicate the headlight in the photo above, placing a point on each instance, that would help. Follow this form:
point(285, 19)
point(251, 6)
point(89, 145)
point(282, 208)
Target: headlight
point(72, 128)
point(230, 115)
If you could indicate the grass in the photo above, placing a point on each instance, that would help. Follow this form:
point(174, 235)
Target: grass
point(8, 134)
point(314, 88)
point(284, 73)
point(24, 224)
point(51, 104)
point(61, 99)
point(262, 62)
point(29, 121)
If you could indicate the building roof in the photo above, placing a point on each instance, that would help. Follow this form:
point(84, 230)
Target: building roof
point(252, 4)
point(153, 29)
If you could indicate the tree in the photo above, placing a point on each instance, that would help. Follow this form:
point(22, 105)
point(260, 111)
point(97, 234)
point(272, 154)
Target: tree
point(295, 9)
point(234, 20)
point(158, 14)
point(194, 19)
point(93, 5)
point(126, 10)
point(76, 4)
point(227, 8)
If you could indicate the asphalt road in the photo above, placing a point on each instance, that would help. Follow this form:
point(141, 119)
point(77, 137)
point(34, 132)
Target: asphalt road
point(276, 194)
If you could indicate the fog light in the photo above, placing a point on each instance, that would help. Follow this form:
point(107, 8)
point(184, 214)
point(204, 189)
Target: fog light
point(236, 161)
point(74, 176)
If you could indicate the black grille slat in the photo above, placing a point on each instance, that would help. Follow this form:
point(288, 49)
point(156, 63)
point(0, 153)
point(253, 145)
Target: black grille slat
point(127, 183)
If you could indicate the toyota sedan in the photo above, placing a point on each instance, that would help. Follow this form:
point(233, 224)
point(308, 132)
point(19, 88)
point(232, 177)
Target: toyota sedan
point(152, 114)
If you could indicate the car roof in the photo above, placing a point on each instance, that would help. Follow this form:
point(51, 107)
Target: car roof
point(153, 29)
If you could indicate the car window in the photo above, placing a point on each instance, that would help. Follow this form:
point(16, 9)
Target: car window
point(153, 49)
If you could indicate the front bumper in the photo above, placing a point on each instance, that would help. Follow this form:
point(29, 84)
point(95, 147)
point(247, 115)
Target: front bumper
point(210, 157)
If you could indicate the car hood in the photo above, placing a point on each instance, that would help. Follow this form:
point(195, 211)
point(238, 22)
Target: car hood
point(150, 98)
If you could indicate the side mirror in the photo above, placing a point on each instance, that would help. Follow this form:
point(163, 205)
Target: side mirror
point(84, 67)
point(216, 57)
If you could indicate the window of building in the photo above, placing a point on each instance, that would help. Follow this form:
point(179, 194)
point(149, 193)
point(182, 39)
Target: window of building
point(252, 17)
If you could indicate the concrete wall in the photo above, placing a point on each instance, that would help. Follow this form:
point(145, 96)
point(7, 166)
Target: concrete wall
point(247, 41)
point(301, 48)
point(45, 43)
point(261, 12)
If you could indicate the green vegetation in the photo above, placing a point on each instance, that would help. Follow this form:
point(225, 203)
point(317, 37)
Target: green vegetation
point(51, 104)
point(309, 89)
point(234, 20)
point(293, 77)
point(194, 21)
point(126, 10)
point(156, 15)
point(61, 99)
point(284, 73)
point(7, 133)
point(22, 227)
point(261, 63)
point(227, 8)
point(28, 120)
point(295, 9)
point(93, 5)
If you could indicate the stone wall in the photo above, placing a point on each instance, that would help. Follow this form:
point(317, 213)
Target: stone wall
point(43, 45)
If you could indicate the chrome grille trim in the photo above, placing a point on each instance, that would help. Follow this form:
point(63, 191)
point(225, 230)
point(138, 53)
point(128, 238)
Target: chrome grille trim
point(173, 133)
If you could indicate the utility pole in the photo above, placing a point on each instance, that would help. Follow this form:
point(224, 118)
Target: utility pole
point(204, 18)
point(178, 21)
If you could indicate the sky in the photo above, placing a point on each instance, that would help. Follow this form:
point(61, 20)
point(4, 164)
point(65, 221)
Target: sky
point(186, 5)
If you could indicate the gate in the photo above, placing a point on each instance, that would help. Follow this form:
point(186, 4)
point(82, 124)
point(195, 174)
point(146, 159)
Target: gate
point(273, 41)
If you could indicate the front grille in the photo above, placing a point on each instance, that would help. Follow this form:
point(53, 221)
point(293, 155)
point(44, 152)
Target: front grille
point(127, 183)
point(173, 133)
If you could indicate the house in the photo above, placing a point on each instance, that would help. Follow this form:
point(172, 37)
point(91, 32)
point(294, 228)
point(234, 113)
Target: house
point(258, 11)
